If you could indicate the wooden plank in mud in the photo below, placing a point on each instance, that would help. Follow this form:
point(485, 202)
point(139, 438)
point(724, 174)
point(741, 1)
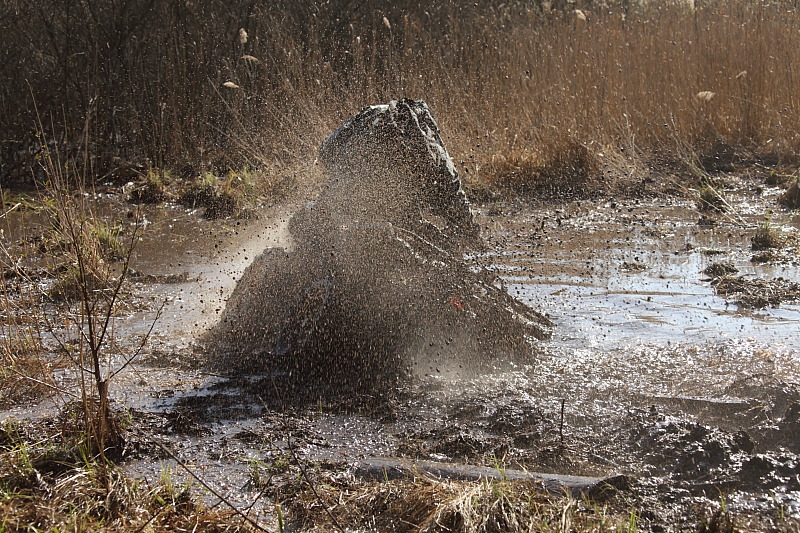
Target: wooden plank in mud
point(394, 468)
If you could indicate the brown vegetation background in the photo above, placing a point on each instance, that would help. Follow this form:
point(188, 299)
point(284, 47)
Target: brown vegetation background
point(177, 85)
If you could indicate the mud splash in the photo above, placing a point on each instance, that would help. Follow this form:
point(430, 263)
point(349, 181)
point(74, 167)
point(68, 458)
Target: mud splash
point(375, 285)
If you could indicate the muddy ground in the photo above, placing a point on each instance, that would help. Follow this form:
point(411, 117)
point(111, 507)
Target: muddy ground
point(691, 393)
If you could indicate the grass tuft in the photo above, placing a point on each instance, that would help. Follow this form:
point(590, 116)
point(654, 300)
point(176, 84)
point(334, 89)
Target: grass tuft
point(766, 237)
point(222, 197)
point(426, 505)
point(152, 188)
point(48, 485)
point(503, 78)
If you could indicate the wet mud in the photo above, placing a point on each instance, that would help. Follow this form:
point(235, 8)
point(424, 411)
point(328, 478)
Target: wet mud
point(652, 371)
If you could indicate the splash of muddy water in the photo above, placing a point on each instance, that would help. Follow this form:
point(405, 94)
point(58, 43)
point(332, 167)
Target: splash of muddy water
point(376, 284)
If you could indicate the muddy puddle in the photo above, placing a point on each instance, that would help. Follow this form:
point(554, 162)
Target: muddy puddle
point(649, 373)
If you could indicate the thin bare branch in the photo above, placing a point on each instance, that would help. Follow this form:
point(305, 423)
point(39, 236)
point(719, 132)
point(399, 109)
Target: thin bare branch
point(210, 489)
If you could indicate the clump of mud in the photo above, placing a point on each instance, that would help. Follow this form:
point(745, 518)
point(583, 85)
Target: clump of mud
point(766, 238)
point(376, 285)
point(717, 270)
point(757, 293)
point(791, 198)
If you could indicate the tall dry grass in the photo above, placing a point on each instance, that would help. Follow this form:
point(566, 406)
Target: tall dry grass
point(179, 85)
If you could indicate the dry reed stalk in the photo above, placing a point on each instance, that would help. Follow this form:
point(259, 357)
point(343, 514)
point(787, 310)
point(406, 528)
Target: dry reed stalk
point(504, 81)
point(427, 505)
point(45, 486)
point(501, 78)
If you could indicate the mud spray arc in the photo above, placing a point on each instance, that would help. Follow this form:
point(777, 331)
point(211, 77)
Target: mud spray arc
point(376, 286)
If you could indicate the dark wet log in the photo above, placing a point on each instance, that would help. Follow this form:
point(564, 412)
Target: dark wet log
point(395, 468)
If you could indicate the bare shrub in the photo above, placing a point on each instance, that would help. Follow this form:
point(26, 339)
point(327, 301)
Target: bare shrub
point(95, 262)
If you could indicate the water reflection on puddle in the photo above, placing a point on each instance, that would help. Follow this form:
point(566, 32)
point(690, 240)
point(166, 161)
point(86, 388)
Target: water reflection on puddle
point(614, 285)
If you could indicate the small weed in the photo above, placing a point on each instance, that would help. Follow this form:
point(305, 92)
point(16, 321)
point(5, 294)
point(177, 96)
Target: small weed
point(242, 182)
point(632, 522)
point(171, 493)
point(258, 471)
point(109, 240)
point(280, 464)
point(500, 466)
point(766, 237)
point(126, 420)
point(152, 189)
point(721, 520)
point(223, 197)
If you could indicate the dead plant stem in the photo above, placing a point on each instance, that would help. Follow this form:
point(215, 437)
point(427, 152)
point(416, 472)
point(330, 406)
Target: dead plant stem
point(206, 486)
point(301, 463)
